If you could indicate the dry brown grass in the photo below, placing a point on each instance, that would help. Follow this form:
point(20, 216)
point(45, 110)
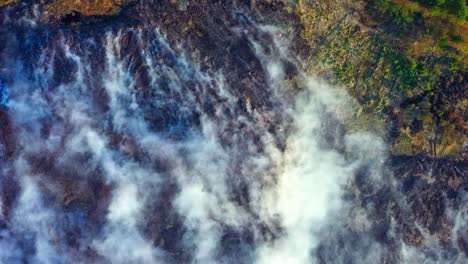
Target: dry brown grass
point(86, 7)
point(6, 2)
point(428, 44)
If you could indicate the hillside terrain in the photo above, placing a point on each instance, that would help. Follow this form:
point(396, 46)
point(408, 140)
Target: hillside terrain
point(402, 64)
point(243, 131)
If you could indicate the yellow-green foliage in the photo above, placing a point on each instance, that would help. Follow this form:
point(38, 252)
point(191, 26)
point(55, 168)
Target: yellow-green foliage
point(437, 31)
point(387, 82)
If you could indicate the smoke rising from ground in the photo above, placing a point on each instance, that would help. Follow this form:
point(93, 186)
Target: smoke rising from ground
point(151, 158)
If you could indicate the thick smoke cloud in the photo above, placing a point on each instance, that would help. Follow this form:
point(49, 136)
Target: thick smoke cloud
point(119, 148)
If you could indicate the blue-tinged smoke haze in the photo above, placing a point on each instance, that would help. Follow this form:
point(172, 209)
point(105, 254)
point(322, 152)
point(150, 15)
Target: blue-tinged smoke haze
point(3, 94)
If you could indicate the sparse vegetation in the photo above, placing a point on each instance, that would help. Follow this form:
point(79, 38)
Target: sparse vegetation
point(414, 91)
point(457, 8)
point(87, 8)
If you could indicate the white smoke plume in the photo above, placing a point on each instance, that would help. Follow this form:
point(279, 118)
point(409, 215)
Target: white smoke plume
point(184, 154)
point(305, 180)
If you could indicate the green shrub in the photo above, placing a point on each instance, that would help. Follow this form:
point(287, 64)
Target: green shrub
point(457, 8)
point(457, 38)
point(443, 42)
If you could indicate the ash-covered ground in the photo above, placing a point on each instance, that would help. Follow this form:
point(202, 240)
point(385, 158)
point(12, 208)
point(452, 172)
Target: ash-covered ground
point(173, 133)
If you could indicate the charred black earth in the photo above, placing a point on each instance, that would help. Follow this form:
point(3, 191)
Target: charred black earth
point(190, 132)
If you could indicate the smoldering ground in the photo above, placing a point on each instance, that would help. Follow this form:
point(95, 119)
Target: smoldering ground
point(126, 146)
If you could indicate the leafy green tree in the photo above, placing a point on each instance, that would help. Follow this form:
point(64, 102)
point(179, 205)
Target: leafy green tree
point(432, 2)
point(458, 8)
